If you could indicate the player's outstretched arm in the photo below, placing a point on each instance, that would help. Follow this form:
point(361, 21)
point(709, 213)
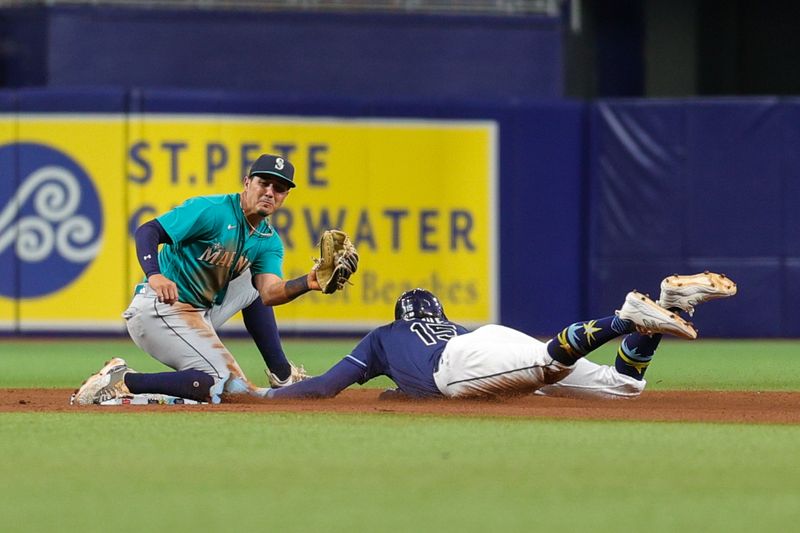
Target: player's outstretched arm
point(275, 291)
point(339, 377)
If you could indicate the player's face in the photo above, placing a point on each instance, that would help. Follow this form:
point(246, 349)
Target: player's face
point(263, 195)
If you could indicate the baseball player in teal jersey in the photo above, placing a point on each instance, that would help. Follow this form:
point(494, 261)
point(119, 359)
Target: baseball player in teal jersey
point(207, 242)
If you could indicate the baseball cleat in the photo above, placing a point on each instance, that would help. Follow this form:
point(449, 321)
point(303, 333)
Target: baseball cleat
point(298, 374)
point(106, 384)
point(684, 292)
point(650, 317)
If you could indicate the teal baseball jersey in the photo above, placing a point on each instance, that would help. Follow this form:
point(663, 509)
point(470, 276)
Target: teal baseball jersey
point(211, 245)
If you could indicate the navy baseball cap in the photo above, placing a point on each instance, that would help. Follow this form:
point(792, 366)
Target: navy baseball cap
point(273, 165)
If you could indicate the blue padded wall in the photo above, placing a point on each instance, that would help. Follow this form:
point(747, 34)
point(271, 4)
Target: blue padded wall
point(684, 186)
point(23, 56)
point(285, 53)
point(541, 193)
point(72, 100)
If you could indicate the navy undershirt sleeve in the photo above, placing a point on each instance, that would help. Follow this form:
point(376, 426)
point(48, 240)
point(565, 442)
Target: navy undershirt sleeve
point(339, 377)
point(148, 236)
point(259, 319)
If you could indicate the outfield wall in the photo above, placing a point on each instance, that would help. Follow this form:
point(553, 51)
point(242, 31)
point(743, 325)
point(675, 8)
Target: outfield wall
point(532, 213)
point(303, 54)
point(461, 198)
point(687, 185)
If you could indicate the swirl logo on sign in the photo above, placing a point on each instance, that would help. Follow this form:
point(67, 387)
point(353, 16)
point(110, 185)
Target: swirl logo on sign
point(50, 220)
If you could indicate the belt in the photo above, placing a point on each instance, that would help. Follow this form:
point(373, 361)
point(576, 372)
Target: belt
point(140, 288)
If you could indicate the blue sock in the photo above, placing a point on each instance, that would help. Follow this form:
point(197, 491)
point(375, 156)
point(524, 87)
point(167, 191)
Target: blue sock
point(580, 338)
point(259, 319)
point(634, 354)
point(189, 384)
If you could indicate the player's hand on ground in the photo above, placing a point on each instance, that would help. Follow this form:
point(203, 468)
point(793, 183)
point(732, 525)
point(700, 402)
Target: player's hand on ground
point(393, 394)
point(165, 289)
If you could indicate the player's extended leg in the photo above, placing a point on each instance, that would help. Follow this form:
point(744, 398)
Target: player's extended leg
point(494, 360)
point(638, 313)
point(626, 377)
point(635, 353)
point(678, 293)
point(590, 380)
point(623, 380)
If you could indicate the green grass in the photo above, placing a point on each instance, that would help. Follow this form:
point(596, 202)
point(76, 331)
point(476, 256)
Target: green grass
point(177, 471)
point(720, 365)
point(239, 472)
point(66, 363)
point(678, 365)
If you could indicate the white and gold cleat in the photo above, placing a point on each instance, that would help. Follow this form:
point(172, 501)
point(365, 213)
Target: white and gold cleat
point(685, 292)
point(106, 384)
point(297, 375)
point(650, 317)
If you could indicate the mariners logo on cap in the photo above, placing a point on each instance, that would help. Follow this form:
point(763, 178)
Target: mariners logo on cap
point(273, 165)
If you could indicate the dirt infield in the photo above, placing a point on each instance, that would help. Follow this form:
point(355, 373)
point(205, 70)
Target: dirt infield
point(696, 406)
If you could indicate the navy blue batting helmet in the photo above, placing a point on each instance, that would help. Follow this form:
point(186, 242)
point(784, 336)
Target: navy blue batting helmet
point(418, 303)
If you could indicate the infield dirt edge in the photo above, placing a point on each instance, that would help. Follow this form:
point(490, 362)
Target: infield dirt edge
point(683, 406)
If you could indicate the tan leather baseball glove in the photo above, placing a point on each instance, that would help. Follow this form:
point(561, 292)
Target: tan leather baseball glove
point(338, 261)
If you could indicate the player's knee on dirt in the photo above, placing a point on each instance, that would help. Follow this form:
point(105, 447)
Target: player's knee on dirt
point(198, 385)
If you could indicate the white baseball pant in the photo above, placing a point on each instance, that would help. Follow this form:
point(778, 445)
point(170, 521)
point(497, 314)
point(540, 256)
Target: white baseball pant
point(496, 360)
point(240, 294)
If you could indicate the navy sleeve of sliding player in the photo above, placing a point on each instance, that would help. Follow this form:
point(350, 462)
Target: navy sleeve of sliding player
point(339, 377)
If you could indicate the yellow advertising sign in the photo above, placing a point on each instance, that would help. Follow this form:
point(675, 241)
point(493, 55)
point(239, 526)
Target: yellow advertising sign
point(61, 204)
point(418, 198)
